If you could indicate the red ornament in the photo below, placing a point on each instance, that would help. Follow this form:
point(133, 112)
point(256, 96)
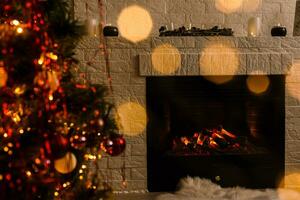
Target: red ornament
point(114, 145)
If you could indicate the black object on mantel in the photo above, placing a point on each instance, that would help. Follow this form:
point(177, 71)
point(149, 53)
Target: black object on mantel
point(110, 31)
point(279, 31)
point(182, 31)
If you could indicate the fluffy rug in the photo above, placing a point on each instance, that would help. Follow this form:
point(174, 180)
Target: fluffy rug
point(203, 189)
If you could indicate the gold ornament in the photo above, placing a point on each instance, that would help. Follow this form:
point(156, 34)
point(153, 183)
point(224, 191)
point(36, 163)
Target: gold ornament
point(53, 80)
point(66, 164)
point(3, 77)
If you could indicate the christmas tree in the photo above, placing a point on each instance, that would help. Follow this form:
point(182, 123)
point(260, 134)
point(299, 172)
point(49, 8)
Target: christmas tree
point(52, 123)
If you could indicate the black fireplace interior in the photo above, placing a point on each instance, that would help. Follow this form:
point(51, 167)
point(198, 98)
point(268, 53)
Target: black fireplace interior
point(221, 132)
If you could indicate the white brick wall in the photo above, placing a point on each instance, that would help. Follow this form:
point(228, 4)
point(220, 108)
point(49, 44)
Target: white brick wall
point(199, 12)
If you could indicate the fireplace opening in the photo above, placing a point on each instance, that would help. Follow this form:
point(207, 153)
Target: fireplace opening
point(225, 133)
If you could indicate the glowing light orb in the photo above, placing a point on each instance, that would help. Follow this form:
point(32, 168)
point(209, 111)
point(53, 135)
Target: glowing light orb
point(258, 84)
point(66, 164)
point(131, 118)
point(251, 5)
point(219, 59)
point(285, 194)
point(288, 194)
point(3, 77)
point(166, 59)
point(135, 23)
point(218, 79)
point(20, 30)
point(228, 6)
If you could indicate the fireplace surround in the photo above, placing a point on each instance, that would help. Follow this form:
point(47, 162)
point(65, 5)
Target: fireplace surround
point(183, 137)
point(131, 65)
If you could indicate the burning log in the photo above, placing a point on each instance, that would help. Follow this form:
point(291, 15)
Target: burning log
point(208, 141)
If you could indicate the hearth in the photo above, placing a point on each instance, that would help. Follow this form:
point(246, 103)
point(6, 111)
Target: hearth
point(221, 132)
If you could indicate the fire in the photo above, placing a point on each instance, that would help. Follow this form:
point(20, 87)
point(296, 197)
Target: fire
point(208, 141)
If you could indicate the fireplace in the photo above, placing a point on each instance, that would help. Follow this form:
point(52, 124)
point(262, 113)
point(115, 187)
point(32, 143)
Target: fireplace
point(225, 133)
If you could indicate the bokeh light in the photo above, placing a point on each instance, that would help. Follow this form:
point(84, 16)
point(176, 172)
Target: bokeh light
point(3, 77)
point(284, 193)
point(135, 23)
point(218, 79)
point(166, 59)
point(251, 5)
point(131, 118)
point(228, 6)
point(218, 59)
point(258, 84)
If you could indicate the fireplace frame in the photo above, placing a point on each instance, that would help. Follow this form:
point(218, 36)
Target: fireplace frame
point(253, 170)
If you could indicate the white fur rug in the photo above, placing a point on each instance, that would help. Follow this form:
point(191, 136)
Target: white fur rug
point(203, 189)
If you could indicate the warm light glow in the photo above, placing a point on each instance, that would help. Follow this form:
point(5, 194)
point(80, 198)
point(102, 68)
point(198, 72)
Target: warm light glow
point(131, 118)
point(41, 60)
point(28, 173)
point(218, 79)
point(135, 23)
point(56, 194)
point(251, 5)
point(15, 22)
point(20, 30)
point(66, 164)
point(19, 90)
point(218, 59)
point(52, 56)
point(258, 84)
point(166, 59)
point(284, 193)
point(228, 6)
point(3, 77)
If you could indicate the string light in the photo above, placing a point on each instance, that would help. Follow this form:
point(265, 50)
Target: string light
point(56, 194)
point(28, 173)
point(20, 30)
point(15, 22)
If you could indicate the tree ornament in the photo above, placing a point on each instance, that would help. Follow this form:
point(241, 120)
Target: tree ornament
point(114, 145)
point(53, 80)
point(78, 141)
point(3, 77)
point(66, 164)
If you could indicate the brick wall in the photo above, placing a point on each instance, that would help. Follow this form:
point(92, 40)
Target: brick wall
point(200, 12)
point(129, 86)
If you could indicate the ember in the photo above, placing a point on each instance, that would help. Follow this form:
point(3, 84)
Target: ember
point(209, 141)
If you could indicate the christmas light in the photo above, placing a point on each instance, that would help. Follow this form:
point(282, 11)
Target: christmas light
point(20, 30)
point(28, 173)
point(15, 22)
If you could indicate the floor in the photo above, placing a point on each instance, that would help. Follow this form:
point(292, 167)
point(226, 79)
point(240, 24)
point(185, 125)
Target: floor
point(147, 196)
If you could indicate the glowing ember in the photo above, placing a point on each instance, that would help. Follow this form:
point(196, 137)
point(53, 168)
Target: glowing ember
point(208, 141)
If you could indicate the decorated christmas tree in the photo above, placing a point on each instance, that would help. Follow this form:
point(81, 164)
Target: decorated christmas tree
point(52, 123)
